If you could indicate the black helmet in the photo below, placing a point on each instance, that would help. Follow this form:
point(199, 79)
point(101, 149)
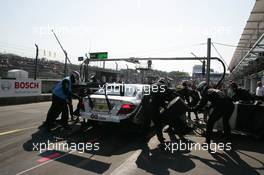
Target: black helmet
point(75, 77)
point(161, 81)
point(185, 83)
point(93, 78)
point(233, 85)
point(202, 87)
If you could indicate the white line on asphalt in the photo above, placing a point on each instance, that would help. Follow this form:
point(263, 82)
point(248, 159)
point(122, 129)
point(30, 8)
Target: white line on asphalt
point(3, 110)
point(44, 163)
point(16, 130)
point(126, 166)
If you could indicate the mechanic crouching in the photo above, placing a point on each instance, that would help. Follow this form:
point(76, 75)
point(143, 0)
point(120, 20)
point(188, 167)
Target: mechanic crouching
point(61, 98)
point(222, 106)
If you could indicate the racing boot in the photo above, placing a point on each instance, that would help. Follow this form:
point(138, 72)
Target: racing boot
point(169, 130)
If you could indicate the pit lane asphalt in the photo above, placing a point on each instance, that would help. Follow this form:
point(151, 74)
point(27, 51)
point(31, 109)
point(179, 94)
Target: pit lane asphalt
point(121, 151)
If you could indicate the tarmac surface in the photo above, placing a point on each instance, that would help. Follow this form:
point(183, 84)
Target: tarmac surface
point(111, 149)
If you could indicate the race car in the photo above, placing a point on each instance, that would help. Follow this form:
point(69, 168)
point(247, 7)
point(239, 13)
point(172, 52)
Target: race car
point(115, 103)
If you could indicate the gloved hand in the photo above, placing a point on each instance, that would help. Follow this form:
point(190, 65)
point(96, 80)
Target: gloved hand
point(162, 146)
point(201, 110)
point(68, 101)
point(190, 109)
point(161, 140)
point(71, 110)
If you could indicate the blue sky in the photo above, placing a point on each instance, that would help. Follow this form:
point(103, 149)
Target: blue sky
point(124, 28)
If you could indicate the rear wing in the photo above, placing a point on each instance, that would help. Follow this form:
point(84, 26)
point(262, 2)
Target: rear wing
point(86, 90)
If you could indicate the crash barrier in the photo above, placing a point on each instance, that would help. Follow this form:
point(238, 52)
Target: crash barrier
point(22, 100)
point(21, 91)
point(232, 121)
point(37, 86)
point(246, 118)
point(250, 119)
point(48, 85)
point(19, 87)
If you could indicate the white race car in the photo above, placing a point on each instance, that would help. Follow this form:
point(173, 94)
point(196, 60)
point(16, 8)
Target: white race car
point(115, 103)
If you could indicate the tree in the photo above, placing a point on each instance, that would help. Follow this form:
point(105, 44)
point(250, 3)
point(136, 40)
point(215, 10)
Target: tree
point(179, 74)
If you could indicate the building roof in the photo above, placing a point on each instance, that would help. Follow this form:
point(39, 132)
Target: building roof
point(17, 70)
point(251, 41)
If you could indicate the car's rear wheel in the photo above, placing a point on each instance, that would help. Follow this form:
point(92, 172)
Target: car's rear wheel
point(143, 120)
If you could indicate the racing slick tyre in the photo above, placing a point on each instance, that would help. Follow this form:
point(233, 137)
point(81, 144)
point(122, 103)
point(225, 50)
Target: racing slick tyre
point(142, 120)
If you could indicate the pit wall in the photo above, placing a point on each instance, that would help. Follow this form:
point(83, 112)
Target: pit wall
point(46, 90)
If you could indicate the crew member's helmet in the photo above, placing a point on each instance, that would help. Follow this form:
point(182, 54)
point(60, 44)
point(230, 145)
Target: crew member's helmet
point(75, 77)
point(162, 82)
point(234, 86)
point(202, 87)
point(93, 78)
point(185, 83)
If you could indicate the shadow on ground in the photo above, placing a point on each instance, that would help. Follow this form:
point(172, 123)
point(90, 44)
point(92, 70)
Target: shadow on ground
point(116, 141)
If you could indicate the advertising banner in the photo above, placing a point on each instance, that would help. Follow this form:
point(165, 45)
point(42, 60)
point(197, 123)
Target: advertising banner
point(19, 88)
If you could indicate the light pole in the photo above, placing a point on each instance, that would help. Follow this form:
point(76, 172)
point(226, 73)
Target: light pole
point(208, 60)
point(116, 65)
point(65, 53)
point(127, 73)
point(36, 62)
point(203, 64)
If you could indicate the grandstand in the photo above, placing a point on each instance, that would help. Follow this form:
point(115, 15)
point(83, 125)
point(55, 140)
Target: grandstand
point(47, 69)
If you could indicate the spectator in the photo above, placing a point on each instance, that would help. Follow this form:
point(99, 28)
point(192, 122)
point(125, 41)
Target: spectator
point(260, 89)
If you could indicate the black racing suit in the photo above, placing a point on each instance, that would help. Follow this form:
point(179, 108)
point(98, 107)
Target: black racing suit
point(82, 91)
point(185, 94)
point(152, 104)
point(242, 95)
point(222, 107)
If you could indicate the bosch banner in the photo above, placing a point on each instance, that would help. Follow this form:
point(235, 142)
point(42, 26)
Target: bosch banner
point(18, 88)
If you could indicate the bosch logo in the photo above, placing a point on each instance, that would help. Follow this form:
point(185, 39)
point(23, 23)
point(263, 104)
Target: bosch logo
point(26, 85)
point(6, 85)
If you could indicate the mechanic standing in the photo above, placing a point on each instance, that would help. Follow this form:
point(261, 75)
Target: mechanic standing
point(239, 94)
point(61, 98)
point(191, 96)
point(152, 105)
point(222, 107)
point(260, 90)
point(195, 99)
